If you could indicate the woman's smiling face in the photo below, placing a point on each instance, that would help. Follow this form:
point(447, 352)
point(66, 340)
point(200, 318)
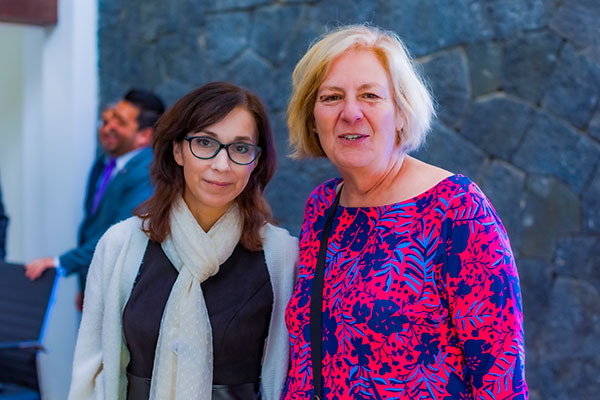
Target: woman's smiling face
point(212, 185)
point(355, 115)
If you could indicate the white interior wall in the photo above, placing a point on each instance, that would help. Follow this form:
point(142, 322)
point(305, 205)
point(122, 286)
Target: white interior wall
point(48, 106)
point(11, 137)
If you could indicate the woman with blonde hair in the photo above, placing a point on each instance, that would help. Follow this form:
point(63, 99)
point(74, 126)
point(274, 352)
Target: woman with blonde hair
point(408, 287)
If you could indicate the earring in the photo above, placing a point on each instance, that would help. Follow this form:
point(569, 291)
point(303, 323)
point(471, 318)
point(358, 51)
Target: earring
point(399, 135)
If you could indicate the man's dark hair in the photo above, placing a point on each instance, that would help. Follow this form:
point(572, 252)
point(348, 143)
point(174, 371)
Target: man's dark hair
point(150, 105)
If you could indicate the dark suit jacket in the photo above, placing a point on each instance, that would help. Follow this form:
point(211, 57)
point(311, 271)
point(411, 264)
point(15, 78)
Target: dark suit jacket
point(3, 224)
point(124, 193)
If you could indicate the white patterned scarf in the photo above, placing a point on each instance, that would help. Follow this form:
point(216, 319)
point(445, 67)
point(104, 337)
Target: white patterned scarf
point(183, 364)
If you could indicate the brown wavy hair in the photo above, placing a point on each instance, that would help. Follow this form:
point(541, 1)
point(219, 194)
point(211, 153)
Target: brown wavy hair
point(195, 111)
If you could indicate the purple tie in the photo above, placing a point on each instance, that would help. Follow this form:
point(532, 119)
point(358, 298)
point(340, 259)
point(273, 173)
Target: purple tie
point(104, 179)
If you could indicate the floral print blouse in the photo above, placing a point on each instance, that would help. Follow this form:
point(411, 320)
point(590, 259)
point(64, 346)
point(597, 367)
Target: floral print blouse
point(421, 300)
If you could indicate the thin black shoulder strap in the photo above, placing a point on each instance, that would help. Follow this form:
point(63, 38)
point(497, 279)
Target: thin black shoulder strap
point(316, 302)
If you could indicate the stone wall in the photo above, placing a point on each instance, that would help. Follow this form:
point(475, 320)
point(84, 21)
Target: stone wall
point(517, 84)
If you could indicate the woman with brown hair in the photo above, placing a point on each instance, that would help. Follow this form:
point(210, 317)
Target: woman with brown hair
point(186, 299)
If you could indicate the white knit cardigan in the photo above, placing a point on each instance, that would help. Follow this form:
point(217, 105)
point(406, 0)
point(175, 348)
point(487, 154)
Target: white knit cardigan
point(101, 356)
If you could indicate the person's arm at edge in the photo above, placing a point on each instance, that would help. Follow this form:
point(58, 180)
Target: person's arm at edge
point(79, 258)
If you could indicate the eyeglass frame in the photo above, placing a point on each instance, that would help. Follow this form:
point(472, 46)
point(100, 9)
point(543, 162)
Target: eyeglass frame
point(222, 146)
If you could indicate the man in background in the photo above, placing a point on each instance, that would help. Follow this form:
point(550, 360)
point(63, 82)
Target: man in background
point(119, 180)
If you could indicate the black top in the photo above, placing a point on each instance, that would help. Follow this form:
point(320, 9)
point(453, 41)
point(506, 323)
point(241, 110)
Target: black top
point(239, 299)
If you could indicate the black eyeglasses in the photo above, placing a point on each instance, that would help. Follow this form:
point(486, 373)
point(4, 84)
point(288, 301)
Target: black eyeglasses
point(206, 147)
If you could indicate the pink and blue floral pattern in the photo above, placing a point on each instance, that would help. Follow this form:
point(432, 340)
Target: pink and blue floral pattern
point(421, 300)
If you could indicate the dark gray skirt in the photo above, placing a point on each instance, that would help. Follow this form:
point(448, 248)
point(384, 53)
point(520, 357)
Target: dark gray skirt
point(139, 389)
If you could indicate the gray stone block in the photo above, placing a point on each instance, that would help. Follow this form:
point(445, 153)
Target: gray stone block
point(299, 44)
point(185, 65)
point(234, 5)
point(594, 126)
point(172, 90)
point(154, 20)
point(577, 20)
point(528, 62)
point(497, 124)
point(553, 147)
point(485, 66)
point(288, 190)
point(448, 76)
point(142, 67)
point(106, 7)
point(566, 379)
point(111, 62)
point(274, 29)
point(575, 306)
point(578, 257)
point(448, 150)
point(191, 14)
point(550, 210)
point(503, 184)
point(535, 278)
point(593, 53)
point(510, 17)
point(576, 78)
point(225, 36)
point(255, 73)
point(336, 13)
point(291, 186)
point(431, 25)
point(591, 204)
point(280, 134)
point(569, 365)
point(550, 6)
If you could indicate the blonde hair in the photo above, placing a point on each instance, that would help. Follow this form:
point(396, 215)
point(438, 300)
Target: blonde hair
point(408, 89)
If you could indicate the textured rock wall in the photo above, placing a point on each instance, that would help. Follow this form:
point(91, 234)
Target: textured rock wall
point(517, 84)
